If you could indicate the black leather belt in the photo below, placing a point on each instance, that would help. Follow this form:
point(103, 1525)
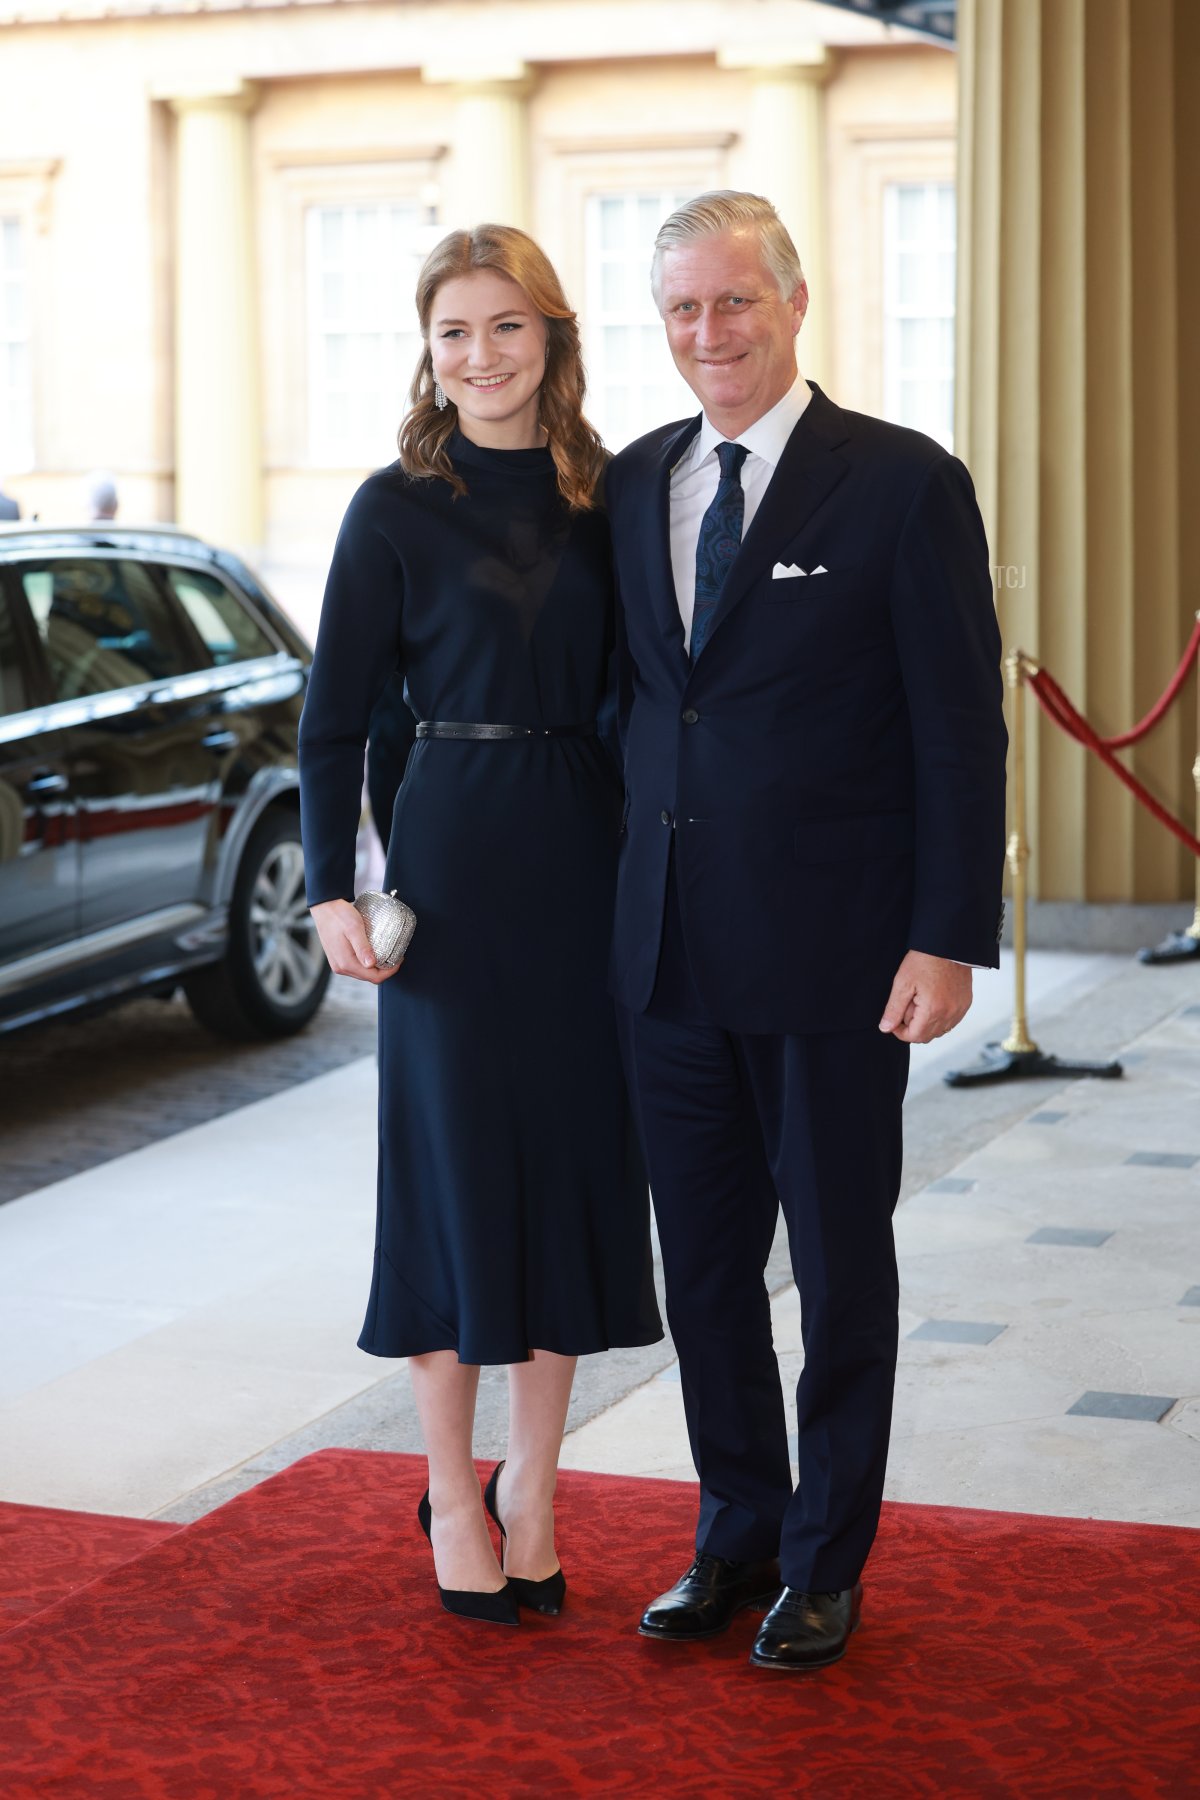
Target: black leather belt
point(449, 728)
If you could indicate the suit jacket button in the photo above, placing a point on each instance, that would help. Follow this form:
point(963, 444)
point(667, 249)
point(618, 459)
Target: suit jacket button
point(690, 716)
point(665, 816)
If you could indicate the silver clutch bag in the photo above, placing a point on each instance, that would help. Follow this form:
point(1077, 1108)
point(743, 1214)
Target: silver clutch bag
point(390, 926)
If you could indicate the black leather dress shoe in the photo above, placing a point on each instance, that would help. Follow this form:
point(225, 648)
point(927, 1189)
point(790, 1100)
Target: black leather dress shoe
point(807, 1631)
point(705, 1600)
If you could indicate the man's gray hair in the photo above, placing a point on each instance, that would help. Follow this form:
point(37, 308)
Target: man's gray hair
point(100, 495)
point(725, 209)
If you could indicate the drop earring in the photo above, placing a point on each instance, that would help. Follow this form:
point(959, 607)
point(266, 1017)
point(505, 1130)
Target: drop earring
point(439, 395)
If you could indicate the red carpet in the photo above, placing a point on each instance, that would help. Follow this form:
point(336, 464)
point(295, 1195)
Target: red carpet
point(46, 1554)
point(291, 1645)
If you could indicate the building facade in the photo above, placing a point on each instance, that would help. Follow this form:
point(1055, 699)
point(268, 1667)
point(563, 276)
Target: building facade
point(212, 212)
point(211, 217)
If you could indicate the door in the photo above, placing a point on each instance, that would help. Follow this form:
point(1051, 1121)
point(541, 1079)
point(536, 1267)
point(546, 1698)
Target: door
point(144, 780)
point(39, 847)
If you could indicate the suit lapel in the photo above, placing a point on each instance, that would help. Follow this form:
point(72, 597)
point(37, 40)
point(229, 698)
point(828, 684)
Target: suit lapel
point(659, 573)
point(810, 468)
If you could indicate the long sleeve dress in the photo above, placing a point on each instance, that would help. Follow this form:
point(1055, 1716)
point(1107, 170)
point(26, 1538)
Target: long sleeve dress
point(512, 1205)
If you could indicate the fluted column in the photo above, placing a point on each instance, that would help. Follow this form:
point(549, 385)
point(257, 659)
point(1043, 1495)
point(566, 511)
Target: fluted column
point(218, 434)
point(1077, 271)
point(783, 157)
point(488, 176)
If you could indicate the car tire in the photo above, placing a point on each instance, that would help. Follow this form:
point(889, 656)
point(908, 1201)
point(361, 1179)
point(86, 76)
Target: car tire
point(274, 974)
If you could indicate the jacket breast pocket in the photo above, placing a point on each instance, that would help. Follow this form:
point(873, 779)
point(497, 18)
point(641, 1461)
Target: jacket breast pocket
point(832, 584)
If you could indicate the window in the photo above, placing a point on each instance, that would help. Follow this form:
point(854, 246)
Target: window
point(918, 302)
point(16, 399)
point(633, 384)
point(14, 696)
point(103, 625)
point(363, 337)
point(227, 629)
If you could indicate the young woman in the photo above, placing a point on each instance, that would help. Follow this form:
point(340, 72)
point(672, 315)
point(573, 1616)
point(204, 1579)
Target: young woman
point(513, 1222)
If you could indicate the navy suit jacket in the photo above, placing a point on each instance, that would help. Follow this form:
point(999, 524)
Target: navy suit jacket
point(830, 769)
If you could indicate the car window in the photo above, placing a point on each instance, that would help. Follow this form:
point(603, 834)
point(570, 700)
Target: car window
point(14, 694)
point(228, 630)
point(103, 624)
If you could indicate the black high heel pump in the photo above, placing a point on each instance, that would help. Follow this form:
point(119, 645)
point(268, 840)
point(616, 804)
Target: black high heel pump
point(545, 1596)
point(499, 1608)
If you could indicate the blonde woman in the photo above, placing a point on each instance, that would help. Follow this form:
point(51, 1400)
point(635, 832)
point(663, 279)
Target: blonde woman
point(513, 1223)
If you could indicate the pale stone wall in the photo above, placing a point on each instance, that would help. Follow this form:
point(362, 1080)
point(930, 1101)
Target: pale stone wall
point(550, 104)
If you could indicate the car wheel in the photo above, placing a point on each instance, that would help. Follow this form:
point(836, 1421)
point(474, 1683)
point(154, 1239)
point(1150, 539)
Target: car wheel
point(274, 974)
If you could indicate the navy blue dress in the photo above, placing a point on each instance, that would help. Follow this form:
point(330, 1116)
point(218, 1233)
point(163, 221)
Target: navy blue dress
point(512, 1207)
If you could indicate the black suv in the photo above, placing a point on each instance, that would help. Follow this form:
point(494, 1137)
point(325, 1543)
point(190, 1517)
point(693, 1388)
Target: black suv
point(150, 692)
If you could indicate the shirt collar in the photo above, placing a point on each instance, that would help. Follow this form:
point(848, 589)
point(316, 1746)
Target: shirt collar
point(767, 436)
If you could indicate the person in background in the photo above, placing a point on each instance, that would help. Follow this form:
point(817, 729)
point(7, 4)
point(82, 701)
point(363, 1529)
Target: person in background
point(100, 495)
point(9, 509)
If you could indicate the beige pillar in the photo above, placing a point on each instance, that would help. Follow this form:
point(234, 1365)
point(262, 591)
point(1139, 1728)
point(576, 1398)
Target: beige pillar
point(1077, 275)
point(784, 158)
point(218, 435)
point(488, 175)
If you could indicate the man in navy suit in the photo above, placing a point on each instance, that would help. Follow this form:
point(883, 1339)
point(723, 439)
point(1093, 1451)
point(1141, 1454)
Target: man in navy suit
point(811, 862)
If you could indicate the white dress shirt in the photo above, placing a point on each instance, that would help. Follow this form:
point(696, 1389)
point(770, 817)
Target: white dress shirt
point(695, 477)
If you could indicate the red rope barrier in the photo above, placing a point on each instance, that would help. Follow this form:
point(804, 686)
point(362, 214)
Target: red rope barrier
point(1056, 706)
point(1161, 707)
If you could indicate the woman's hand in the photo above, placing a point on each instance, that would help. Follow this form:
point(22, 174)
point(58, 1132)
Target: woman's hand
point(345, 942)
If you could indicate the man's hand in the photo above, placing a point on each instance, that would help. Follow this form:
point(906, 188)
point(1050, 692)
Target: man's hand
point(928, 998)
point(345, 942)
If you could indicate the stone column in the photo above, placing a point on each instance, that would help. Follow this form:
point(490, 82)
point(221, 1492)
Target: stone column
point(784, 158)
point(488, 177)
point(1077, 388)
point(218, 434)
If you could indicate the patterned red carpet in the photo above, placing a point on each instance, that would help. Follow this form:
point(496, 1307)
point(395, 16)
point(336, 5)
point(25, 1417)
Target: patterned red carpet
point(291, 1645)
point(45, 1554)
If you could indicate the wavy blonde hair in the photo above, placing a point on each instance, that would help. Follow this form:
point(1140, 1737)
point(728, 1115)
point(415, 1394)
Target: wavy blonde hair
point(578, 452)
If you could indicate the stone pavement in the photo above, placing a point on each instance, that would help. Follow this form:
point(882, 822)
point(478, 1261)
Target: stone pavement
point(1050, 1310)
point(178, 1320)
point(77, 1092)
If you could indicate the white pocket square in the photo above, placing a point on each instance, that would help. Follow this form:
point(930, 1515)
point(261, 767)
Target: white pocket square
point(783, 571)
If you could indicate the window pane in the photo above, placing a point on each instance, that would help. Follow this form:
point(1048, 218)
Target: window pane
point(912, 201)
point(229, 632)
point(14, 697)
point(104, 625)
point(333, 232)
point(909, 285)
point(919, 301)
point(634, 383)
point(616, 351)
point(333, 297)
point(363, 341)
point(612, 287)
point(612, 224)
point(945, 201)
point(14, 308)
point(650, 215)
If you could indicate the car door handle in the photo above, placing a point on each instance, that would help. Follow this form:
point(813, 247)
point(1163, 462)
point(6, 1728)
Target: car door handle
point(220, 740)
point(47, 784)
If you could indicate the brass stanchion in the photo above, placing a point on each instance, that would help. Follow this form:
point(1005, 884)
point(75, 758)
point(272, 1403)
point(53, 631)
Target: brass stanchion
point(1184, 946)
point(1018, 1056)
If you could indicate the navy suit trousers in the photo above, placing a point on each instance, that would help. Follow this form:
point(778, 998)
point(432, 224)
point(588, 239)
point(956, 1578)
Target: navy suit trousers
point(736, 1127)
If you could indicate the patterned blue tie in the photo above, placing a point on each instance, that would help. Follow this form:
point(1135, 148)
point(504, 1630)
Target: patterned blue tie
point(719, 541)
